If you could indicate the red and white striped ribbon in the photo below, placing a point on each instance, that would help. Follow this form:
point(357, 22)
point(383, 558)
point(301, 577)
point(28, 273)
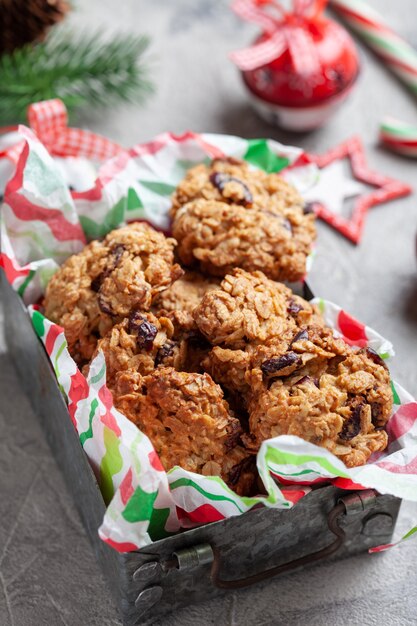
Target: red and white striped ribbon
point(282, 32)
point(49, 120)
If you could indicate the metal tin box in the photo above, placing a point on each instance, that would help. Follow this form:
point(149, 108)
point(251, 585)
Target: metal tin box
point(204, 562)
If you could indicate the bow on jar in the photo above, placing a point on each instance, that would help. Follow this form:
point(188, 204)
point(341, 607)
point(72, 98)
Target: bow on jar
point(49, 121)
point(282, 31)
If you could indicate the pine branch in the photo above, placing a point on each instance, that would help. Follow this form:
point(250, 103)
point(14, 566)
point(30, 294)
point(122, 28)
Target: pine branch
point(84, 71)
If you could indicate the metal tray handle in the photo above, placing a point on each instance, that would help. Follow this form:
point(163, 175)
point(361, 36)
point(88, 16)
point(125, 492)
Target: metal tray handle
point(333, 524)
point(204, 554)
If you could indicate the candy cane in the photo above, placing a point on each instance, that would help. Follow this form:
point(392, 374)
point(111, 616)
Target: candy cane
point(398, 56)
point(399, 136)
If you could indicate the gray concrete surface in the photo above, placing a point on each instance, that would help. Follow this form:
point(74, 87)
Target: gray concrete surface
point(47, 572)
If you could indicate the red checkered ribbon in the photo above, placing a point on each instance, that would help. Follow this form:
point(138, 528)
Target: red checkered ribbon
point(283, 31)
point(49, 120)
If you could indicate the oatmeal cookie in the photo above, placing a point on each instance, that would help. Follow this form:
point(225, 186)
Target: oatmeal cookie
point(341, 400)
point(141, 343)
point(250, 308)
point(188, 421)
point(273, 351)
point(232, 181)
point(280, 356)
point(250, 319)
point(104, 282)
point(227, 216)
point(218, 237)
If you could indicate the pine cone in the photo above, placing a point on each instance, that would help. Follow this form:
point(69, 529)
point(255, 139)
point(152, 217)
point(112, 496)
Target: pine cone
point(26, 21)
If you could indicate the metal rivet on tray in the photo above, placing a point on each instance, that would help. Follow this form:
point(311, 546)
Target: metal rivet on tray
point(147, 598)
point(147, 571)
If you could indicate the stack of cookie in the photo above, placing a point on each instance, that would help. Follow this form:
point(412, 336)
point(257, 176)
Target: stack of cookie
point(211, 357)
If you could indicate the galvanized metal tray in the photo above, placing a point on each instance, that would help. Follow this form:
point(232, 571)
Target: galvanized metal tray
point(204, 562)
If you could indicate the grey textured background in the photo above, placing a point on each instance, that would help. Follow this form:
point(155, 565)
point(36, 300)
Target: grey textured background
point(47, 572)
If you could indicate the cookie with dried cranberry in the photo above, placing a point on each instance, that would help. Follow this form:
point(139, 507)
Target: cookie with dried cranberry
point(106, 281)
point(141, 343)
point(292, 375)
point(314, 346)
point(232, 181)
point(341, 402)
point(226, 216)
point(249, 319)
point(249, 308)
point(188, 422)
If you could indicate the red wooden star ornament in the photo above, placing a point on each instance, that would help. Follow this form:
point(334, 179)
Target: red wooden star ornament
point(386, 188)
